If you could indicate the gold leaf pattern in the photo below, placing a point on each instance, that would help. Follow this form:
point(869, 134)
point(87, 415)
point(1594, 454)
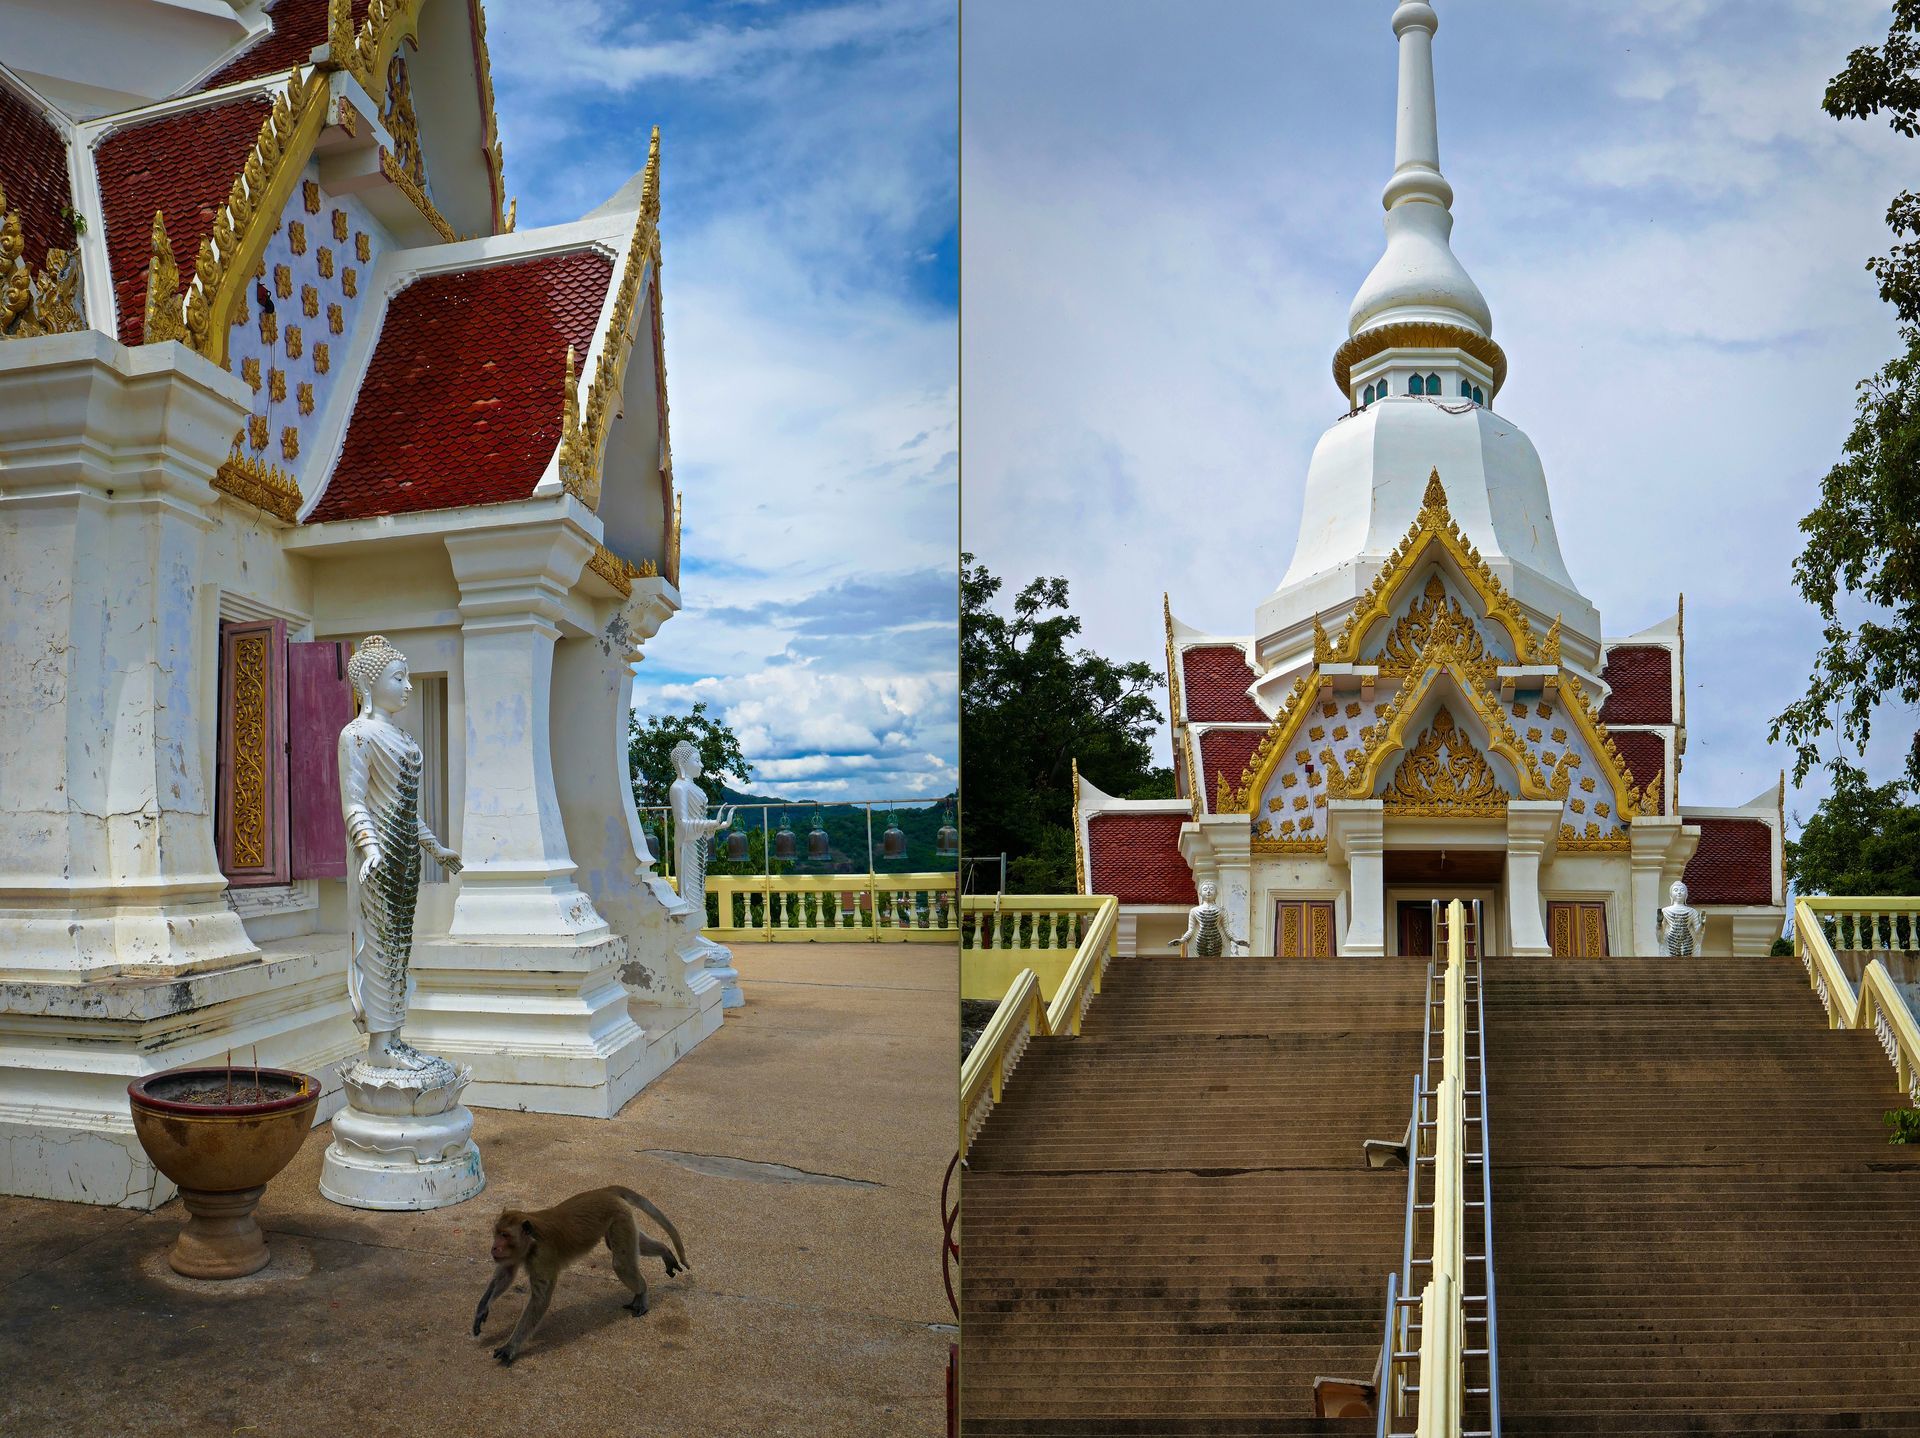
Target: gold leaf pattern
point(1443, 773)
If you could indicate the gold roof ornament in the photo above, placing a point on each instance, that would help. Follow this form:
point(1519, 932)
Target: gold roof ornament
point(1443, 773)
point(165, 309)
point(35, 304)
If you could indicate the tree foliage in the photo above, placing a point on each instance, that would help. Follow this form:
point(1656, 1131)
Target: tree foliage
point(1863, 839)
point(1032, 701)
point(1863, 538)
point(650, 754)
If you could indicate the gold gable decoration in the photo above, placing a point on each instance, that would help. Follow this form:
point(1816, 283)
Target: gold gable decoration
point(252, 211)
point(1241, 797)
point(1434, 616)
point(1443, 773)
point(35, 304)
point(164, 308)
point(583, 441)
point(1434, 525)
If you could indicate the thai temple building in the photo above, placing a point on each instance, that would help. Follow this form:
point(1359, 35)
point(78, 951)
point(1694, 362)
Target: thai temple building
point(1427, 706)
point(279, 373)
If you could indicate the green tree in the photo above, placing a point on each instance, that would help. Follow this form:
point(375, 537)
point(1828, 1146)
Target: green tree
point(1863, 538)
point(1032, 701)
point(1863, 839)
point(650, 754)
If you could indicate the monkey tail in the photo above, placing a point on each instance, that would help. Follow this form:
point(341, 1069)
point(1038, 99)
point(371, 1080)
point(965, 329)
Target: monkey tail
point(645, 1205)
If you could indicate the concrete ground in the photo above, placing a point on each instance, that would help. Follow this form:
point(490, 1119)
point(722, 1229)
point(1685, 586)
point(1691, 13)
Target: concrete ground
point(799, 1151)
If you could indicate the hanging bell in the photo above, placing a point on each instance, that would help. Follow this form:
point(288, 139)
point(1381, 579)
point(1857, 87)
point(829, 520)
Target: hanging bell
point(786, 848)
point(893, 843)
point(819, 846)
point(946, 844)
point(737, 843)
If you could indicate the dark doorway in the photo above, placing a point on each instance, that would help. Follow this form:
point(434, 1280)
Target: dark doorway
point(1415, 921)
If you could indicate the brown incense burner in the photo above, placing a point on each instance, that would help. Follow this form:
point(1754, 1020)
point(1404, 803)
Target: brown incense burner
point(222, 1134)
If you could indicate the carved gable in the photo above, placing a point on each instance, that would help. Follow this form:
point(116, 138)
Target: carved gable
point(1443, 773)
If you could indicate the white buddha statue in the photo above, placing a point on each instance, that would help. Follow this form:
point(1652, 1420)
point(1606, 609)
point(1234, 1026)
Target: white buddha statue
point(1680, 924)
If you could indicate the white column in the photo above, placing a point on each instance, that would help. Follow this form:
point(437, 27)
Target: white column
point(1356, 829)
point(1533, 829)
point(518, 881)
point(1649, 839)
point(1233, 858)
point(106, 459)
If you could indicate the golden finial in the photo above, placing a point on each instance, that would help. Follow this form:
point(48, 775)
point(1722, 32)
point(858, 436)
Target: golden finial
point(164, 321)
point(575, 461)
point(1436, 495)
point(650, 182)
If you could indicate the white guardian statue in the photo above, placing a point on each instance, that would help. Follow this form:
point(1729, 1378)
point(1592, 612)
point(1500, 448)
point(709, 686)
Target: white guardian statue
point(1680, 924)
point(404, 1140)
point(706, 961)
point(1207, 927)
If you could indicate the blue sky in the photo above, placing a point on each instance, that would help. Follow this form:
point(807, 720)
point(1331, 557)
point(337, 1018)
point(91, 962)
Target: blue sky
point(810, 231)
point(1165, 222)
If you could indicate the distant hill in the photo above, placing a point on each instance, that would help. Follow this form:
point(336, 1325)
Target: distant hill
point(846, 826)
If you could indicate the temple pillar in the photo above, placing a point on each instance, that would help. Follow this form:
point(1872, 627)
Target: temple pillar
point(1356, 830)
point(1533, 831)
point(1233, 863)
point(107, 454)
point(526, 984)
point(1652, 840)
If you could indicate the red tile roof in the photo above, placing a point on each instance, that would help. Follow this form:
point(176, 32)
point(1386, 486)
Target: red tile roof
point(1213, 682)
point(1136, 858)
point(184, 164)
point(1225, 751)
point(1734, 863)
point(35, 173)
point(461, 403)
point(1642, 680)
point(1646, 756)
point(298, 26)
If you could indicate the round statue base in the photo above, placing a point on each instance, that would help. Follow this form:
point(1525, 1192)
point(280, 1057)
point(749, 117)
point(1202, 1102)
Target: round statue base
point(404, 1142)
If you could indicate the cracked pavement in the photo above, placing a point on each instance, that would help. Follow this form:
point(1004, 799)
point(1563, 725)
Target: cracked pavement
point(812, 1307)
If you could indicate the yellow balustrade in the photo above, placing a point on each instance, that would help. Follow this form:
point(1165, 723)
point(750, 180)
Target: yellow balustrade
point(833, 908)
point(1024, 1014)
point(1003, 934)
point(1878, 1003)
point(1442, 1314)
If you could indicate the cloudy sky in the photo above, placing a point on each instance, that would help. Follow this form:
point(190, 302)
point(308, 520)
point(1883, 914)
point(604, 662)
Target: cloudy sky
point(1166, 219)
point(810, 229)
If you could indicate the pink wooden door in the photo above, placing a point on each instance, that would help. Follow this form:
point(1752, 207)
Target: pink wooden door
point(250, 826)
point(319, 704)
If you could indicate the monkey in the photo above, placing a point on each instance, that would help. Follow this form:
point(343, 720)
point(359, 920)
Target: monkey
point(547, 1241)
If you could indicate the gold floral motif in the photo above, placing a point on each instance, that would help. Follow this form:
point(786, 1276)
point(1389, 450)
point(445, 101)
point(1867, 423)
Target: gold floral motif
point(1559, 736)
point(250, 372)
point(305, 397)
point(1434, 614)
point(1353, 711)
point(289, 442)
point(1328, 711)
point(1586, 785)
point(336, 320)
point(297, 237)
point(1545, 711)
point(621, 573)
point(1602, 810)
point(276, 385)
point(269, 327)
point(1316, 733)
point(1339, 731)
point(295, 344)
point(310, 197)
point(283, 281)
point(1289, 846)
point(248, 765)
point(323, 257)
point(402, 124)
point(362, 246)
point(349, 282)
point(309, 301)
point(1300, 801)
point(257, 431)
point(1443, 773)
point(1533, 736)
point(41, 303)
point(1289, 780)
point(1578, 806)
point(340, 224)
point(1574, 842)
point(322, 357)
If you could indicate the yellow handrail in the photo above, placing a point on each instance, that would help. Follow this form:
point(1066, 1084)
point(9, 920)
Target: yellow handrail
point(1024, 1015)
point(1878, 1005)
point(1442, 1315)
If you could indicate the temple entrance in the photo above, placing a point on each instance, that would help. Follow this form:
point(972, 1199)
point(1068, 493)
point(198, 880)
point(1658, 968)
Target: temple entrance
point(1415, 878)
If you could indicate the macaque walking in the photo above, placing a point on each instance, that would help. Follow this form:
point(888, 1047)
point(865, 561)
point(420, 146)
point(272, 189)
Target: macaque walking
point(546, 1241)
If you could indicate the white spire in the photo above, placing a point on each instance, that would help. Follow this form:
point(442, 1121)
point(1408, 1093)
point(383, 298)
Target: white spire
point(1418, 279)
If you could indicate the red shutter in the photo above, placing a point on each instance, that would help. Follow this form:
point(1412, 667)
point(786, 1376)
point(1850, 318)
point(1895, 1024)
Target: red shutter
point(250, 825)
point(319, 704)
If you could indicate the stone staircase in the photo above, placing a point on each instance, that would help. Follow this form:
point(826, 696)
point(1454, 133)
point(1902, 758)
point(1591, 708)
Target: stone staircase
point(1699, 1226)
point(1167, 1225)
